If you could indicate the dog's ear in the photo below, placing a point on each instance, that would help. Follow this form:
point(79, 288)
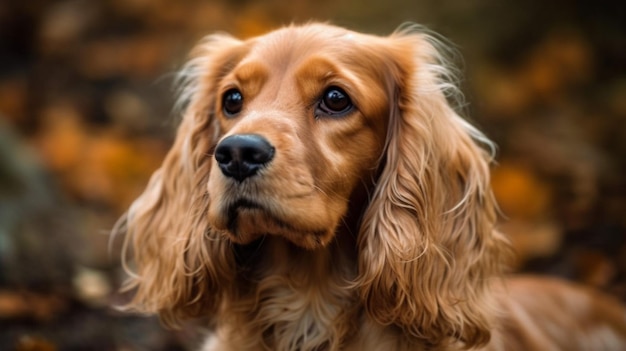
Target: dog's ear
point(427, 245)
point(181, 267)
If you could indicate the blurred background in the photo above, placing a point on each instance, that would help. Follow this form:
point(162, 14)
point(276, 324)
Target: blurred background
point(85, 117)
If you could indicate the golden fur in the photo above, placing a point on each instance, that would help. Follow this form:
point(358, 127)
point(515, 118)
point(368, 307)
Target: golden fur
point(370, 230)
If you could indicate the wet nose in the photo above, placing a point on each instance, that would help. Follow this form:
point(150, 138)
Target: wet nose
point(240, 156)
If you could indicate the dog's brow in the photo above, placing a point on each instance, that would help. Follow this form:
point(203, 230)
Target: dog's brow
point(252, 75)
point(315, 70)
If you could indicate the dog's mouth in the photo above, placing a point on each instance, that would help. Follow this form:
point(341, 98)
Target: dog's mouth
point(242, 208)
point(248, 220)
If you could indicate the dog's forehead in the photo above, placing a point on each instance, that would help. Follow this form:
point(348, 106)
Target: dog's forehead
point(288, 45)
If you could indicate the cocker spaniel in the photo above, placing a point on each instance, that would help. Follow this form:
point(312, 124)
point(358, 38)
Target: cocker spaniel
point(323, 194)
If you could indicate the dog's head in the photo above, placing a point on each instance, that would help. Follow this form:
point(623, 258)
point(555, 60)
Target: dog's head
point(278, 134)
point(301, 117)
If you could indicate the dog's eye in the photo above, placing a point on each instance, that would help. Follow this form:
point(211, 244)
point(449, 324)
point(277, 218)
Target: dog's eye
point(335, 101)
point(232, 102)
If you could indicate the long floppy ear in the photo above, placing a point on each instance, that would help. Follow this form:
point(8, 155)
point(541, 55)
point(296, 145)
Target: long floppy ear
point(181, 265)
point(427, 245)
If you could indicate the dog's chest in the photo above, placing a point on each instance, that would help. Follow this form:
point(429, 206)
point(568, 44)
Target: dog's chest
point(289, 317)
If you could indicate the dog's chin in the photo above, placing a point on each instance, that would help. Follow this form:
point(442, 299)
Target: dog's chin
point(245, 221)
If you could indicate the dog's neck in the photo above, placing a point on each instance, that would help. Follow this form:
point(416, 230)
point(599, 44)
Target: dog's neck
point(294, 298)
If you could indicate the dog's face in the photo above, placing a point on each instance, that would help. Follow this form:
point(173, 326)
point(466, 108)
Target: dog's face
point(302, 118)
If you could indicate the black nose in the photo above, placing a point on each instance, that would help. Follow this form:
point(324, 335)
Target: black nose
point(240, 156)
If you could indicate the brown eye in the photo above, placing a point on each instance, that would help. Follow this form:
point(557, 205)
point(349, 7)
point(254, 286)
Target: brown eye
point(335, 101)
point(232, 102)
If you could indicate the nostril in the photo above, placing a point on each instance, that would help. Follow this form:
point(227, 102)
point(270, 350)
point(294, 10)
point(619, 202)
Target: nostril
point(258, 154)
point(242, 155)
point(222, 155)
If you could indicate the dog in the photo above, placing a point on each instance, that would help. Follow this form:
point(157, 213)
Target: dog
point(323, 194)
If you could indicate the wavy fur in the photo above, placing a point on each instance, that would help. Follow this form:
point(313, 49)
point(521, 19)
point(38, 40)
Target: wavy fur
point(369, 229)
